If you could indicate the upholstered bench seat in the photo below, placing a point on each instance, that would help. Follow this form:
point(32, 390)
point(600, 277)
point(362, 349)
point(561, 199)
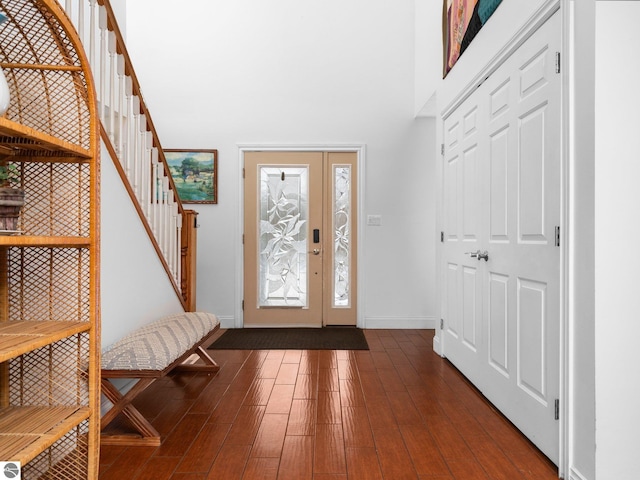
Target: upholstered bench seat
point(147, 354)
point(156, 345)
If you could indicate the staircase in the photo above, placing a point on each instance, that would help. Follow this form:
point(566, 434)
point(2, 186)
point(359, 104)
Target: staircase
point(128, 133)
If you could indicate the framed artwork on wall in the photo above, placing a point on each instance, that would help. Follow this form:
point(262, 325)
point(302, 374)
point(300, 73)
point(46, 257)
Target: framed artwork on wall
point(461, 22)
point(194, 173)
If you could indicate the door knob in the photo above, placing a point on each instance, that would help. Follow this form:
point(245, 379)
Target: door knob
point(315, 251)
point(479, 255)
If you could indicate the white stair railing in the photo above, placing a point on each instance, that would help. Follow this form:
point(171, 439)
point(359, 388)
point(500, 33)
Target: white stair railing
point(129, 129)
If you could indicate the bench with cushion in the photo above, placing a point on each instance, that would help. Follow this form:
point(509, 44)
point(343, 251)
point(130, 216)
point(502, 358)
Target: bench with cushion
point(147, 354)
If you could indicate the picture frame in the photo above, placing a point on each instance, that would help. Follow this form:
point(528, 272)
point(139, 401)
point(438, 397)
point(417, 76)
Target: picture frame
point(462, 20)
point(194, 173)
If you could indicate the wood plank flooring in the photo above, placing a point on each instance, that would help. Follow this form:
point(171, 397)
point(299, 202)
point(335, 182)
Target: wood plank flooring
point(397, 411)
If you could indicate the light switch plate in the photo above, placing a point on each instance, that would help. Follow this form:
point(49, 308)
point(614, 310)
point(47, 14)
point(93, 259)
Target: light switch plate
point(374, 220)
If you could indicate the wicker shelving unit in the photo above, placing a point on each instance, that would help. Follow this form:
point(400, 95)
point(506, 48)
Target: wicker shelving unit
point(49, 269)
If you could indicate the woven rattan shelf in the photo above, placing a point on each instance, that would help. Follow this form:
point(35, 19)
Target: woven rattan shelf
point(49, 267)
point(18, 338)
point(51, 242)
point(27, 431)
point(17, 139)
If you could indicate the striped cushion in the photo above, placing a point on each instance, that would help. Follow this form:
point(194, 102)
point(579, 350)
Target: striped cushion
point(156, 345)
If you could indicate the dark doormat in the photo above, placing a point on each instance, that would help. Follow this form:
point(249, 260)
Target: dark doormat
point(328, 338)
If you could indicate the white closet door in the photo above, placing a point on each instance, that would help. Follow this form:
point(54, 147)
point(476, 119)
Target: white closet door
point(502, 199)
point(463, 205)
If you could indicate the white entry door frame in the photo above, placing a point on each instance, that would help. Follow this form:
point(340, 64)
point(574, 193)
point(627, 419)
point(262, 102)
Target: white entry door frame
point(360, 151)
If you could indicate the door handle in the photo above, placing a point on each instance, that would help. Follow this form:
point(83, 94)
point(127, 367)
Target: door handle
point(479, 255)
point(315, 251)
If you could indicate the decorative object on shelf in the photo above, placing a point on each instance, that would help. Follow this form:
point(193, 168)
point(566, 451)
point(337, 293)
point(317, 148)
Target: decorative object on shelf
point(195, 174)
point(11, 198)
point(5, 95)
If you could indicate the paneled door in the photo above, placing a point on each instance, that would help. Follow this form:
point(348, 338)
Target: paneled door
point(300, 239)
point(501, 262)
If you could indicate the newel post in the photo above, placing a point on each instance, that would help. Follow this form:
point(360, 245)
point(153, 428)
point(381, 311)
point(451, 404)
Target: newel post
point(188, 258)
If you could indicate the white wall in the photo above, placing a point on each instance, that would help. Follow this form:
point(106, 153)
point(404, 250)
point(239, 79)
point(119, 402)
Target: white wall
point(219, 74)
point(120, 10)
point(134, 287)
point(617, 198)
point(427, 55)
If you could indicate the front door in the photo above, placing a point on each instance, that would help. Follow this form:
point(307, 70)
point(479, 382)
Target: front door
point(501, 262)
point(299, 239)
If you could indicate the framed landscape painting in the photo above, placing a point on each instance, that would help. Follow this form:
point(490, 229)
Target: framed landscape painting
point(195, 174)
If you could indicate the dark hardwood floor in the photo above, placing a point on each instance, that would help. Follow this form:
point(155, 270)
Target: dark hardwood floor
point(397, 411)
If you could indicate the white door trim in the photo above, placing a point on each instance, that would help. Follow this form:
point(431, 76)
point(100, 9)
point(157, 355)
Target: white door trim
point(360, 150)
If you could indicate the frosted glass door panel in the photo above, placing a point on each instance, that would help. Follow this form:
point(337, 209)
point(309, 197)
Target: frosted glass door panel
point(340, 238)
point(283, 232)
point(341, 232)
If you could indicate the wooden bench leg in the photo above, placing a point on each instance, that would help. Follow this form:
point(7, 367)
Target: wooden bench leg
point(122, 404)
point(209, 364)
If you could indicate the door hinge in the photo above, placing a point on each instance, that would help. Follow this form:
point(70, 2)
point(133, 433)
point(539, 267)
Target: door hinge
point(243, 305)
point(557, 236)
point(442, 149)
point(243, 172)
point(441, 237)
point(442, 324)
point(557, 409)
point(557, 62)
point(243, 238)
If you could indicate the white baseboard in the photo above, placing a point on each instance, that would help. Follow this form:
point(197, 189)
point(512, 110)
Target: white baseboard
point(228, 321)
point(418, 323)
point(437, 346)
point(279, 325)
